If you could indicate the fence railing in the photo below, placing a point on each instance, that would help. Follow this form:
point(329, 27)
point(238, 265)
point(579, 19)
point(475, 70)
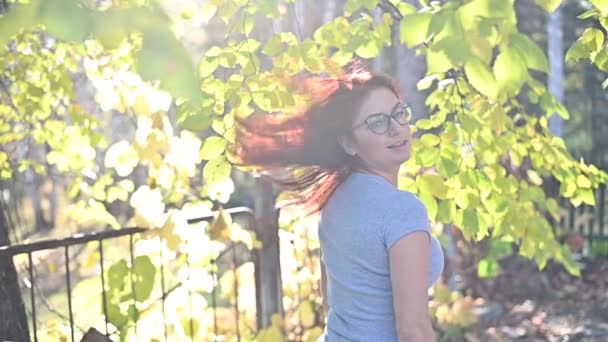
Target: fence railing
point(590, 222)
point(99, 238)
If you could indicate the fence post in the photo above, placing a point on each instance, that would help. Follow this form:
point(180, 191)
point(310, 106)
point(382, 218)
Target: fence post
point(268, 268)
point(13, 320)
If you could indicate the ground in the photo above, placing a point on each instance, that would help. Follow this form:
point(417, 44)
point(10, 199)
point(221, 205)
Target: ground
point(525, 304)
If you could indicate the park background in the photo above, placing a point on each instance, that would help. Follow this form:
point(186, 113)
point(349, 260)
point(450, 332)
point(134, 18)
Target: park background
point(124, 213)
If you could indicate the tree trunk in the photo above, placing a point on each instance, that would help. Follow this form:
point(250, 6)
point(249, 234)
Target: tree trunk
point(32, 184)
point(330, 11)
point(379, 61)
point(409, 70)
point(13, 320)
point(268, 266)
point(555, 35)
point(52, 196)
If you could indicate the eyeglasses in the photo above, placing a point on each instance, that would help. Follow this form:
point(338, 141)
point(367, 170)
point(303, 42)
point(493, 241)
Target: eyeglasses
point(380, 123)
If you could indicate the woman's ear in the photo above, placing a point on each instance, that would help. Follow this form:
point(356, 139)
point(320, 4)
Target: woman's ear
point(348, 145)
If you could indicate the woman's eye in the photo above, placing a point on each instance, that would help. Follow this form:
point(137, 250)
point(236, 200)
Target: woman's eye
point(375, 120)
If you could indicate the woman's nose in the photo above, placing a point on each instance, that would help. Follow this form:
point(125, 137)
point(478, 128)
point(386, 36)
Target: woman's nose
point(394, 127)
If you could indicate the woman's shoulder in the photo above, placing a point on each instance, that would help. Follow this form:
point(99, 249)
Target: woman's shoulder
point(380, 192)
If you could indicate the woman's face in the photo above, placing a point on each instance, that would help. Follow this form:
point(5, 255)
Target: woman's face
point(379, 152)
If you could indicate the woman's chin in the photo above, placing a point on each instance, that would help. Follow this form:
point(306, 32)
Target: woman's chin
point(403, 155)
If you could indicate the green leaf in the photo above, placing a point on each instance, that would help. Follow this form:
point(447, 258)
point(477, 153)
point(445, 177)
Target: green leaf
point(197, 122)
point(120, 192)
point(577, 51)
point(446, 24)
point(500, 10)
point(414, 28)
point(405, 8)
point(115, 315)
point(117, 273)
point(470, 221)
point(427, 156)
point(510, 71)
point(481, 78)
point(207, 66)
point(457, 52)
point(53, 14)
point(434, 185)
point(163, 58)
point(548, 5)
point(447, 167)
point(601, 59)
point(583, 182)
point(488, 268)
point(213, 147)
point(587, 196)
point(479, 46)
point(602, 5)
point(354, 5)
point(566, 258)
point(446, 211)
point(19, 17)
point(429, 140)
point(111, 27)
point(273, 46)
point(144, 273)
point(466, 198)
point(306, 313)
point(437, 62)
point(593, 39)
point(535, 57)
point(567, 188)
point(122, 157)
point(431, 205)
point(426, 82)
point(370, 49)
point(499, 249)
point(216, 170)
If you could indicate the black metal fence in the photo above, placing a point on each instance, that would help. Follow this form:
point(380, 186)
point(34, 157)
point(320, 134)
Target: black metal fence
point(101, 237)
point(590, 222)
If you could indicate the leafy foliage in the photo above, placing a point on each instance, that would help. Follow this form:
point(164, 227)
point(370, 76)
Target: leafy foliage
point(592, 43)
point(481, 162)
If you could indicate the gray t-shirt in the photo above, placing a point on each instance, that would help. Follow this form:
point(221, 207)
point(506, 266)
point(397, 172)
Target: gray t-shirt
point(360, 222)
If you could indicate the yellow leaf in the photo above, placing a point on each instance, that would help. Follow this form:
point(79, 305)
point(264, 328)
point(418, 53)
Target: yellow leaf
point(312, 335)
point(306, 314)
point(583, 182)
point(141, 105)
point(276, 320)
point(87, 263)
point(273, 333)
point(167, 232)
point(219, 229)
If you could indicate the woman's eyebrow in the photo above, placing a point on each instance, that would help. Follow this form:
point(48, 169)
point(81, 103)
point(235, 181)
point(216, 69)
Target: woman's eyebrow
point(386, 112)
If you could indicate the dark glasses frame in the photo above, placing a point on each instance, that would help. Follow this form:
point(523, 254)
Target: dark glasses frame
point(393, 115)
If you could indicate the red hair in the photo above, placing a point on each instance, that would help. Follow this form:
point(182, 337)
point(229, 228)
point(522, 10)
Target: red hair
point(306, 144)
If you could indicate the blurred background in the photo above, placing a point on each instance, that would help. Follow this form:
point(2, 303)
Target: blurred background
point(122, 216)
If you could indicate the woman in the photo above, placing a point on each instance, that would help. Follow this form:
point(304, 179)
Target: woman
point(344, 152)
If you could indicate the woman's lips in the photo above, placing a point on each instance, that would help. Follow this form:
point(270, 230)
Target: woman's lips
point(398, 144)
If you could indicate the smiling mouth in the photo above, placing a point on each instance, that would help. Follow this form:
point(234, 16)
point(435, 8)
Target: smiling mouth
point(399, 144)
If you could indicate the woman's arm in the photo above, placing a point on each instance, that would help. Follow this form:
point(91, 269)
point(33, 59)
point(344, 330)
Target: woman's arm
point(409, 265)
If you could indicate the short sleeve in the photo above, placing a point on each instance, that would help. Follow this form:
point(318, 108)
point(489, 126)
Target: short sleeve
point(405, 213)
